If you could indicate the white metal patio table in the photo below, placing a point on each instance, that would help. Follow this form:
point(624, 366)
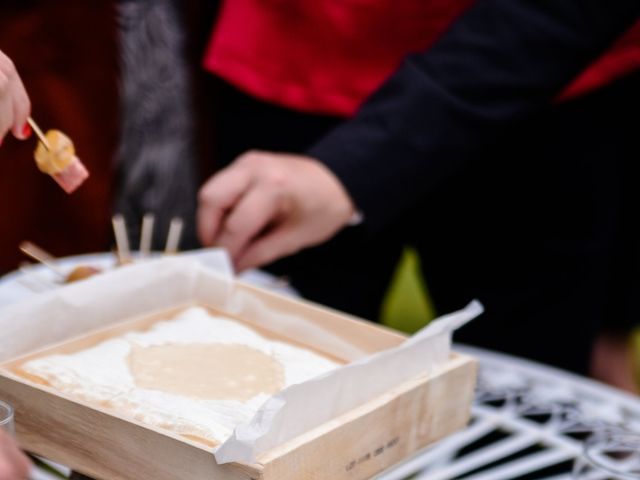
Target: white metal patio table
point(529, 422)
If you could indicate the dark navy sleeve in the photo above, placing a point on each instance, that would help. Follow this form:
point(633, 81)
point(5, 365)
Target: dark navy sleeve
point(498, 63)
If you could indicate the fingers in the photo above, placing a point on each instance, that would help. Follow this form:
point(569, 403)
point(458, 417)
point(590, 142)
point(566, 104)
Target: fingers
point(254, 211)
point(6, 107)
point(216, 197)
point(13, 463)
point(280, 242)
point(21, 110)
point(15, 106)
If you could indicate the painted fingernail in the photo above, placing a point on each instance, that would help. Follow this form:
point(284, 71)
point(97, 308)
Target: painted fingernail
point(26, 131)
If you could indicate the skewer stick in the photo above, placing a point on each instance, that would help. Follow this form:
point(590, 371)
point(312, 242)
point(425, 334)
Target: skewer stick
point(39, 133)
point(147, 235)
point(122, 239)
point(173, 239)
point(39, 255)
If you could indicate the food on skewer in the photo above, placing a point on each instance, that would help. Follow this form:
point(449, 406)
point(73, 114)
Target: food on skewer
point(55, 155)
point(45, 258)
point(82, 272)
point(124, 256)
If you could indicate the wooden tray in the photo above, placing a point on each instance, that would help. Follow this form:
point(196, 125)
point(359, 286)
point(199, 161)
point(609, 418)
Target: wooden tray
point(356, 445)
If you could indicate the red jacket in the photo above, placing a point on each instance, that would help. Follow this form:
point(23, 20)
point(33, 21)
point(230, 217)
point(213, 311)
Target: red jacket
point(327, 56)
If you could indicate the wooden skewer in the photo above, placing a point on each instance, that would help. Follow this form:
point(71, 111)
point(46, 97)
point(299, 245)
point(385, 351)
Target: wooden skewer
point(173, 239)
point(147, 234)
point(122, 239)
point(41, 256)
point(39, 133)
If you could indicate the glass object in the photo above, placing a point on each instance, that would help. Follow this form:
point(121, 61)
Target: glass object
point(6, 418)
point(609, 456)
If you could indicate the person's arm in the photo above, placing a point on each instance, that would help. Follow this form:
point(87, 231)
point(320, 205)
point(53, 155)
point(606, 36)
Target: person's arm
point(500, 61)
point(15, 106)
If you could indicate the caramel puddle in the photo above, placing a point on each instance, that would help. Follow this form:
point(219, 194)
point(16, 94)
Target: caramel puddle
point(206, 371)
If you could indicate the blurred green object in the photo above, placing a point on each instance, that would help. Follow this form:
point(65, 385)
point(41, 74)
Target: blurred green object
point(407, 306)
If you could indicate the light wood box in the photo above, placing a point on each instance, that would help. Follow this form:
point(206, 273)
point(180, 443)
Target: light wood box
point(356, 445)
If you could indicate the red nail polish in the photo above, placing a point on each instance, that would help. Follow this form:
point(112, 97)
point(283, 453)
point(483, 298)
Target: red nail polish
point(26, 131)
point(1, 140)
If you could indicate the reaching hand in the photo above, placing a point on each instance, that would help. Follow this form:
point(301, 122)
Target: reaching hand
point(266, 206)
point(14, 465)
point(15, 106)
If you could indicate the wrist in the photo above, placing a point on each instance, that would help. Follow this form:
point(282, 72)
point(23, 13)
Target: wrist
point(341, 200)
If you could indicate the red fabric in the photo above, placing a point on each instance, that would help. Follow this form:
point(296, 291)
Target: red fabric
point(344, 49)
point(622, 58)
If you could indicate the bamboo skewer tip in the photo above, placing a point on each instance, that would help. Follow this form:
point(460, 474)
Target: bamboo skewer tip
point(146, 236)
point(122, 238)
point(41, 256)
point(173, 238)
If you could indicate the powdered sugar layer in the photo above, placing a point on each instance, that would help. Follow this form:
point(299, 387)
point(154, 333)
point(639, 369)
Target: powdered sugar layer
point(101, 375)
